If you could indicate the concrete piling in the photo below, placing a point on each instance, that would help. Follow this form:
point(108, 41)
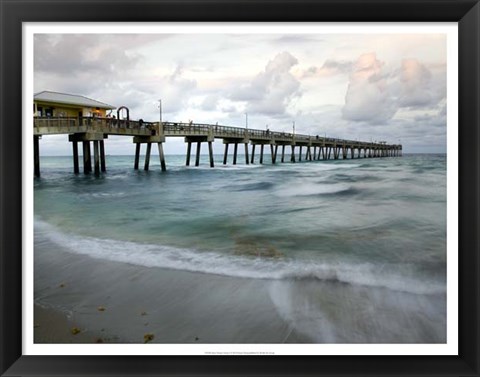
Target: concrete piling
point(86, 157)
point(36, 156)
point(189, 151)
point(161, 155)
point(210, 152)
point(103, 163)
point(225, 154)
point(96, 157)
point(197, 157)
point(137, 156)
point(147, 156)
point(76, 169)
point(235, 150)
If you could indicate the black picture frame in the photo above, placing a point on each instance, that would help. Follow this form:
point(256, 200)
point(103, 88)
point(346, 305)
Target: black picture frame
point(14, 12)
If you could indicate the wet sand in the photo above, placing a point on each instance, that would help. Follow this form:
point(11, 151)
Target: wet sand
point(114, 302)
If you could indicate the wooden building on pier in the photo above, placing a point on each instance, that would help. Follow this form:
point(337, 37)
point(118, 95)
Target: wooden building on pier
point(55, 104)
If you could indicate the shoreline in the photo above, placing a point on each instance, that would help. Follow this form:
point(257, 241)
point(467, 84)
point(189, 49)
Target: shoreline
point(113, 302)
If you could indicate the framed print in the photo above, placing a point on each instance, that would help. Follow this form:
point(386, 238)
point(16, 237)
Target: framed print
point(309, 206)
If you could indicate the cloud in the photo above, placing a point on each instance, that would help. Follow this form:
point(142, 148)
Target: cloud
point(72, 55)
point(176, 89)
point(331, 67)
point(375, 94)
point(368, 96)
point(296, 39)
point(209, 103)
point(271, 91)
point(419, 87)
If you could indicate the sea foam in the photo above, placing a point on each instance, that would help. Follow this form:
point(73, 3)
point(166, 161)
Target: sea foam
point(162, 256)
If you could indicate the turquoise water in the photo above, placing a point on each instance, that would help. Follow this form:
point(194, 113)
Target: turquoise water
point(368, 223)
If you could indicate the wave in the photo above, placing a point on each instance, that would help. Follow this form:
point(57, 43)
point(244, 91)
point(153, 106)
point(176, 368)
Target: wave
point(309, 189)
point(103, 195)
point(258, 186)
point(161, 256)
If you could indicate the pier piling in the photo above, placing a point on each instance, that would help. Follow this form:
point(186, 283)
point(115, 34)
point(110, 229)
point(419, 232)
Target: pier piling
point(96, 157)
point(197, 157)
point(225, 154)
point(147, 156)
point(235, 149)
point(103, 164)
point(137, 155)
point(161, 155)
point(36, 155)
point(76, 169)
point(86, 157)
point(274, 153)
point(189, 151)
point(210, 152)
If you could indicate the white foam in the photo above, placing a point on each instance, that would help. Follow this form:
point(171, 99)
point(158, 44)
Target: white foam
point(306, 188)
point(161, 256)
point(104, 194)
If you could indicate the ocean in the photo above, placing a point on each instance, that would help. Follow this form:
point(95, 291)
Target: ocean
point(338, 251)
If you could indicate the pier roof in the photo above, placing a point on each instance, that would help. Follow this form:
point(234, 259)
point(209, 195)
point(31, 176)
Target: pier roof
point(70, 99)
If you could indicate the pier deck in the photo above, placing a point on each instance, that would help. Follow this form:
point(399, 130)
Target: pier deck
point(96, 130)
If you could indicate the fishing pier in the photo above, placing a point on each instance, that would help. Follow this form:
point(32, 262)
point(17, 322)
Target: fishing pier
point(92, 132)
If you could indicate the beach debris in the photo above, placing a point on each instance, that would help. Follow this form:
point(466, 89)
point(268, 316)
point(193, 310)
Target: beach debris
point(101, 309)
point(197, 338)
point(143, 313)
point(255, 248)
point(99, 340)
point(75, 330)
point(148, 338)
point(62, 285)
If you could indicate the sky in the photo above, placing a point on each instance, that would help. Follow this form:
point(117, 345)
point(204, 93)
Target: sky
point(370, 87)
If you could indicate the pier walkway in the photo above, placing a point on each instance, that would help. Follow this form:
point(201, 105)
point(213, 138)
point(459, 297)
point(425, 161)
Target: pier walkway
point(96, 130)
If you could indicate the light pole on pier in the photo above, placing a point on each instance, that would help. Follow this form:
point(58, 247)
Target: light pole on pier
point(160, 108)
point(293, 128)
point(246, 120)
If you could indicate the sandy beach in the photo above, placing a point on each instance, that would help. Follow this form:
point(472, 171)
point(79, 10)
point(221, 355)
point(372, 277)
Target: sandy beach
point(112, 302)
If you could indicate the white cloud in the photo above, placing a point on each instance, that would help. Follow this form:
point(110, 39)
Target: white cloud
point(375, 92)
point(368, 96)
point(271, 91)
point(325, 83)
point(419, 87)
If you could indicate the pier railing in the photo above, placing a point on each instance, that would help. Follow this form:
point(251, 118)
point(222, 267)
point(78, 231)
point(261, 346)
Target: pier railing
point(60, 122)
point(58, 125)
